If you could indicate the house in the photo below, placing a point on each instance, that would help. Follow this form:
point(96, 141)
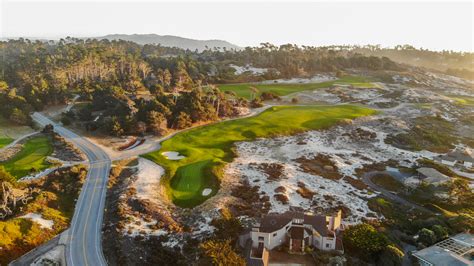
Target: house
point(298, 230)
point(432, 176)
point(456, 250)
point(464, 158)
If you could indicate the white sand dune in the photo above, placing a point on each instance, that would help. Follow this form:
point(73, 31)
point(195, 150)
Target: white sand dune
point(37, 218)
point(147, 183)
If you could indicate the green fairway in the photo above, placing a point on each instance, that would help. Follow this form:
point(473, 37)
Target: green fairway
point(5, 141)
point(10, 131)
point(243, 89)
point(32, 156)
point(209, 148)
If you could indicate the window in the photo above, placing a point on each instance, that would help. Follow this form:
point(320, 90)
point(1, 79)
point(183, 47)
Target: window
point(261, 238)
point(275, 234)
point(328, 245)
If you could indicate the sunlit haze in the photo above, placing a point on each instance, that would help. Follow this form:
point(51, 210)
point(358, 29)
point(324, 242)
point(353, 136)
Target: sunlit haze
point(438, 26)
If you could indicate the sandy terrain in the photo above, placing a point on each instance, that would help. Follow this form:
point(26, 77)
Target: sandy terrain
point(173, 155)
point(343, 148)
point(147, 182)
point(248, 68)
point(37, 218)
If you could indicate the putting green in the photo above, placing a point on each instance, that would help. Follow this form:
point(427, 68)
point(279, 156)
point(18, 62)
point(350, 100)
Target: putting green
point(209, 148)
point(31, 157)
point(281, 89)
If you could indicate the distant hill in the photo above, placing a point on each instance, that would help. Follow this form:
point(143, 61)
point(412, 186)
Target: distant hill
point(171, 41)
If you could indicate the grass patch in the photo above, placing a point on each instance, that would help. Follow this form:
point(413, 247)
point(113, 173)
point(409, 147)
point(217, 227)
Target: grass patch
point(388, 182)
point(431, 133)
point(280, 89)
point(423, 105)
point(462, 100)
point(9, 131)
point(31, 158)
point(209, 148)
point(438, 209)
point(5, 141)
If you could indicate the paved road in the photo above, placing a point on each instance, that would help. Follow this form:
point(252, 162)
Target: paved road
point(366, 178)
point(18, 140)
point(84, 245)
point(32, 255)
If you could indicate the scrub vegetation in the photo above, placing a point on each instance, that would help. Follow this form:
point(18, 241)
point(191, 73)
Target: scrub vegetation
point(463, 100)
point(53, 199)
point(209, 148)
point(432, 133)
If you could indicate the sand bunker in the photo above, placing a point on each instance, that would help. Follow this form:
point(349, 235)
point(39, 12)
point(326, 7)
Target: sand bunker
point(173, 155)
point(148, 179)
point(206, 192)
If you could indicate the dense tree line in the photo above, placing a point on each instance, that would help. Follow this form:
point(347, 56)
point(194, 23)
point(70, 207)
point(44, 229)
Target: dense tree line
point(136, 88)
point(113, 76)
point(459, 64)
point(291, 60)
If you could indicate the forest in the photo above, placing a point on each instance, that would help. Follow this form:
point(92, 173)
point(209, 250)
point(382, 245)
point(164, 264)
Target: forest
point(133, 89)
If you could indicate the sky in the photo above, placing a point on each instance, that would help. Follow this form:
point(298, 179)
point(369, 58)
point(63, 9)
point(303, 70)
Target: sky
point(425, 24)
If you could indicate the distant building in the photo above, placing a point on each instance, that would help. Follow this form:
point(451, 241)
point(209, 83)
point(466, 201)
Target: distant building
point(456, 250)
point(297, 230)
point(464, 158)
point(432, 176)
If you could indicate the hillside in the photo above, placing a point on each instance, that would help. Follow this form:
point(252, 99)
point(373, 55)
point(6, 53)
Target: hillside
point(171, 41)
point(459, 64)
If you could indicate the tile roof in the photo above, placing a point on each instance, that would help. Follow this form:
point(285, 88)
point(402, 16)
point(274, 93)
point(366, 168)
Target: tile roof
point(275, 221)
point(432, 175)
point(455, 250)
point(318, 222)
point(458, 155)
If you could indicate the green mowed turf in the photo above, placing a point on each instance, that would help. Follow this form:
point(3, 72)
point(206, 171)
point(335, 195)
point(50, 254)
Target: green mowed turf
point(463, 100)
point(209, 148)
point(32, 156)
point(243, 89)
point(10, 131)
point(5, 141)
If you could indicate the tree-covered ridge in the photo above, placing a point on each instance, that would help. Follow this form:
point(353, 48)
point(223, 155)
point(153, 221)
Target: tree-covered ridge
point(291, 60)
point(135, 88)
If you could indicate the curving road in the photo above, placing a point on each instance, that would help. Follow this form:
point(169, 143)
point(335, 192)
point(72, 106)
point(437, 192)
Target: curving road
point(366, 178)
point(83, 243)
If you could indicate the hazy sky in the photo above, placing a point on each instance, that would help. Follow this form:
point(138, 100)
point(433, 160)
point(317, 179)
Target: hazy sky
point(433, 25)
